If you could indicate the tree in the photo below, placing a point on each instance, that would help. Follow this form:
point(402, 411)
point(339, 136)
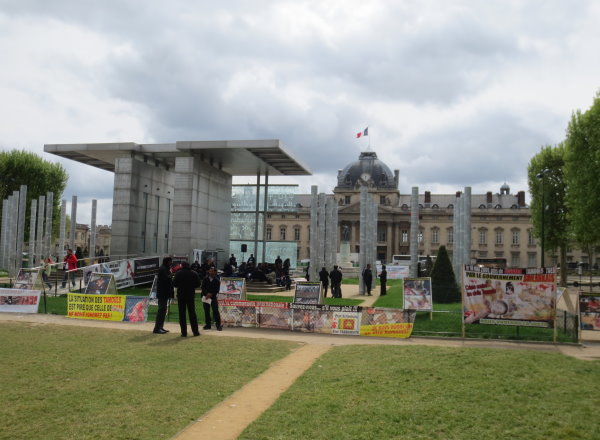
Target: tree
point(443, 283)
point(582, 164)
point(546, 171)
point(26, 168)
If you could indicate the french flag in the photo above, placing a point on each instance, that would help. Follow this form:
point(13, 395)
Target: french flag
point(365, 132)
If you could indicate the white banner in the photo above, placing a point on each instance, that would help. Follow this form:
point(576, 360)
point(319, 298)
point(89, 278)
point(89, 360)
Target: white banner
point(19, 300)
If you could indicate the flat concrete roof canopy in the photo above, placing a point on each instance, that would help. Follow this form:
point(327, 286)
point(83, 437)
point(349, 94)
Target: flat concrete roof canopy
point(235, 157)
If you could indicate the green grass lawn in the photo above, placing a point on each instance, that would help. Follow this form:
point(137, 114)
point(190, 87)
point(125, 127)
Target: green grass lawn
point(63, 382)
point(393, 392)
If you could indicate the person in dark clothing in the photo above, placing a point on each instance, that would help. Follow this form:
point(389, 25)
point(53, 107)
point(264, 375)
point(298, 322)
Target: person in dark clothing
point(278, 261)
point(367, 275)
point(210, 290)
point(186, 281)
point(308, 272)
point(251, 260)
point(195, 266)
point(324, 277)
point(336, 282)
point(164, 292)
point(233, 261)
point(383, 280)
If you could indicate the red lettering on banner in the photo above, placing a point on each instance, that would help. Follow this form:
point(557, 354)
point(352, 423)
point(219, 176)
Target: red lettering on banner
point(547, 278)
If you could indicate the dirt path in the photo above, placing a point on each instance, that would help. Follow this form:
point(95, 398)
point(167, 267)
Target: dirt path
point(228, 419)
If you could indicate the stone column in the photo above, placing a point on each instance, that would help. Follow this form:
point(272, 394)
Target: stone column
point(21, 225)
point(362, 256)
point(314, 234)
point(467, 227)
point(49, 211)
point(61, 233)
point(414, 232)
point(32, 256)
point(330, 233)
point(3, 233)
point(40, 228)
point(73, 223)
point(322, 223)
point(93, 231)
point(389, 239)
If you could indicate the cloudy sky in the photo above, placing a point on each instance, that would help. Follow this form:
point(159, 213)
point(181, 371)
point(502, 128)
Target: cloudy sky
point(454, 93)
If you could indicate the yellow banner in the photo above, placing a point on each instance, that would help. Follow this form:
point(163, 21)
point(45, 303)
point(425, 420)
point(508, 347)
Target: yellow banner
point(103, 307)
point(393, 330)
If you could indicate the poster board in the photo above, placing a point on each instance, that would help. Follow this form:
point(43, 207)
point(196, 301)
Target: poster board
point(232, 288)
point(27, 279)
point(308, 293)
point(589, 312)
point(510, 296)
point(19, 300)
point(417, 294)
point(101, 284)
point(153, 296)
point(107, 307)
point(395, 272)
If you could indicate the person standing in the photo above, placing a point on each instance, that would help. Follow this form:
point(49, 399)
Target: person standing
point(336, 282)
point(70, 268)
point(186, 281)
point(210, 291)
point(164, 292)
point(383, 280)
point(233, 261)
point(324, 277)
point(368, 279)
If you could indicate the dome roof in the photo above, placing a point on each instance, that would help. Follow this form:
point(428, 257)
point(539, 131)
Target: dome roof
point(367, 167)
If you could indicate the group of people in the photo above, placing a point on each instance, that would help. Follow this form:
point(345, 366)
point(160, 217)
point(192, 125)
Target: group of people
point(367, 277)
point(186, 281)
point(335, 276)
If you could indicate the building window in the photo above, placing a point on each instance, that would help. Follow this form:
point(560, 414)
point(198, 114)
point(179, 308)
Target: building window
point(297, 234)
point(531, 260)
point(404, 236)
point(499, 236)
point(435, 236)
point(420, 237)
point(516, 236)
point(282, 233)
point(530, 238)
point(268, 215)
point(282, 215)
point(483, 236)
point(450, 236)
point(381, 236)
point(269, 233)
point(346, 200)
point(482, 254)
point(515, 259)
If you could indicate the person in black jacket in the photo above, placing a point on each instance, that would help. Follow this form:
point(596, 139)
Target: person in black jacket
point(368, 279)
point(210, 291)
point(383, 280)
point(336, 282)
point(164, 292)
point(324, 277)
point(186, 281)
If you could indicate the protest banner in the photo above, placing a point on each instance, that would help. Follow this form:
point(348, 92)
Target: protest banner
point(136, 309)
point(308, 293)
point(27, 279)
point(389, 323)
point(232, 288)
point(101, 307)
point(395, 272)
point(101, 284)
point(19, 300)
point(589, 311)
point(511, 296)
point(417, 294)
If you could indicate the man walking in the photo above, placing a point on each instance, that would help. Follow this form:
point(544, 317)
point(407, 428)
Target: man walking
point(70, 268)
point(336, 281)
point(164, 292)
point(210, 291)
point(186, 281)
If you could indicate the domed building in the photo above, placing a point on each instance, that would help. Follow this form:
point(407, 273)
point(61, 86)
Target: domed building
point(500, 221)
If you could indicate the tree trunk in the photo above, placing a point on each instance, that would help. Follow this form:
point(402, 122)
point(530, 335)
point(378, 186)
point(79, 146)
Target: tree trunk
point(563, 266)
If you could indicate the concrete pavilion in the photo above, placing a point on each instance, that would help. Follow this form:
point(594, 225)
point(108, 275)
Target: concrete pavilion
point(172, 198)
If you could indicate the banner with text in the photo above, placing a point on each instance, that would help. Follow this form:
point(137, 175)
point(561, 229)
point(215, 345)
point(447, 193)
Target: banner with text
point(589, 309)
point(19, 300)
point(511, 296)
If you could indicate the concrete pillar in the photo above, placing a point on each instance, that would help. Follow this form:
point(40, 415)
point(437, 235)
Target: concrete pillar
point(467, 227)
point(9, 246)
point(455, 237)
point(202, 207)
point(330, 233)
point(32, 256)
point(73, 223)
point(21, 225)
point(314, 234)
point(322, 223)
point(40, 228)
point(414, 232)
point(3, 231)
point(48, 226)
point(93, 231)
point(61, 233)
point(264, 218)
point(362, 256)
point(389, 239)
